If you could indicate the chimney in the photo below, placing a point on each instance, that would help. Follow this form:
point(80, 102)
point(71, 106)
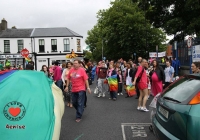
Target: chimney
point(3, 24)
point(14, 27)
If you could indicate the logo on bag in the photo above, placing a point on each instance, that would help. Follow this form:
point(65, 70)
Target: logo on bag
point(14, 111)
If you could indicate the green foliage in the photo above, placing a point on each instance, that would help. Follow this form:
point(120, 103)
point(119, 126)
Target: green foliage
point(88, 55)
point(123, 30)
point(176, 17)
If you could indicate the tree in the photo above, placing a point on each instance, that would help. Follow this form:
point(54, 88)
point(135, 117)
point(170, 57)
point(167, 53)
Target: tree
point(179, 17)
point(88, 55)
point(123, 30)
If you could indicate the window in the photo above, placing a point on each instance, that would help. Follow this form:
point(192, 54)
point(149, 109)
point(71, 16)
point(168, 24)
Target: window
point(20, 45)
point(54, 45)
point(41, 45)
point(182, 89)
point(6, 46)
point(78, 45)
point(66, 45)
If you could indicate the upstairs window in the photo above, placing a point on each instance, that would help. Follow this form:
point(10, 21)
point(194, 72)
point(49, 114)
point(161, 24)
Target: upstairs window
point(20, 44)
point(54, 45)
point(6, 46)
point(41, 45)
point(78, 45)
point(66, 45)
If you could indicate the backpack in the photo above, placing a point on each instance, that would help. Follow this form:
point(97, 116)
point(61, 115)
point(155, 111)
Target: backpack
point(134, 73)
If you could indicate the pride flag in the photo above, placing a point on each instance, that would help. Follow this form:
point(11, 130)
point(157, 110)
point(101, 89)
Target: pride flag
point(112, 82)
point(31, 106)
point(27, 59)
point(130, 90)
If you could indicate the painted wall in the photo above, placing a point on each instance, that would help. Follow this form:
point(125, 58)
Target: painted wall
point(14, 44)
point(60, 44)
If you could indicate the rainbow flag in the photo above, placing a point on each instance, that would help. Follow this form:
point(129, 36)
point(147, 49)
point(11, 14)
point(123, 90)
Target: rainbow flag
point(33, 112)
point(130, 90)
point(112, 82)
point(27, 59)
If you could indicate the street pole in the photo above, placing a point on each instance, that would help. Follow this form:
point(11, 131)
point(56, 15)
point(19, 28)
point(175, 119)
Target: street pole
point(190, 54)
point(176, 49)
point(157, 52)
point(102, 49)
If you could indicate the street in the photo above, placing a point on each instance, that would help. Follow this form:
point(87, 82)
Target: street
point(105, 119)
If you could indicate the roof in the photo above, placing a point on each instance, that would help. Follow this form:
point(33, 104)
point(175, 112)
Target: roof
point(16, 33)
point(54, 32)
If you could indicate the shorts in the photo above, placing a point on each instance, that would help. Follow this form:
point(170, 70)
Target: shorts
point(149, 86)
point(142, 86)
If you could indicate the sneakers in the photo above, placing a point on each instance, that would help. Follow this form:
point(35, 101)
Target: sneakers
point(99, 96)
point(144, 109)
point(118, 94)
point(103, 95)
point(139, 108)
point(121, 93)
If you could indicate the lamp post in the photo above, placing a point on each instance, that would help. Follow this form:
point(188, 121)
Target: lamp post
point(102, 49)
point(157, 52)
point(176, 50)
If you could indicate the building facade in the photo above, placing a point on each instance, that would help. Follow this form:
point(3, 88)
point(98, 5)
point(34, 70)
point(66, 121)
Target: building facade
point(45, 45)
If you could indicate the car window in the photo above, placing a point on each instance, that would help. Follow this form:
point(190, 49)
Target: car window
point(183, 89)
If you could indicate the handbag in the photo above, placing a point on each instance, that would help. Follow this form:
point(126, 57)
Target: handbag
point(96, 90)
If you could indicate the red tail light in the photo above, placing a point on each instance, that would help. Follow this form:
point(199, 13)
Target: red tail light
point(195, 100)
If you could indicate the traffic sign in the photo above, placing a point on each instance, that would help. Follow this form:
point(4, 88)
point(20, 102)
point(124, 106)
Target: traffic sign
point(189, 42)
point(24, 52)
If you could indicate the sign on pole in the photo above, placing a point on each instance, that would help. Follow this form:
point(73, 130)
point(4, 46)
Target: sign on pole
point(196, 53)
point(25, 52)
point(189, 42)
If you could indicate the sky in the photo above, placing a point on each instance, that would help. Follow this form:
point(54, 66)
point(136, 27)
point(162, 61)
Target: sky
point(77, 15)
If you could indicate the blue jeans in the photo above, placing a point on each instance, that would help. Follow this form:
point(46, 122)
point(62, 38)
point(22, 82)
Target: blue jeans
point(78, 99)
point(59, 84)
point(113, 95)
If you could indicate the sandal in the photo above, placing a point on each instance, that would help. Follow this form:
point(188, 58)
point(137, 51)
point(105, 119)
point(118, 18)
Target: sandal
point(78, 120)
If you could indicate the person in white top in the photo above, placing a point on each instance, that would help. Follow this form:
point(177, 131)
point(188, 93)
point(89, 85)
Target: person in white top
point(64, 79)
point(169, 74)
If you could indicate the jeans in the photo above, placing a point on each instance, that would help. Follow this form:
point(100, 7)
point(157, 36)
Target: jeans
point(78, 99)
point(101, 86)
point(113, 95)
point(59, 84)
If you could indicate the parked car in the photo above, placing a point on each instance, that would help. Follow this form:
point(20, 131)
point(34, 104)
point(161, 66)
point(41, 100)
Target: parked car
point(178, 110)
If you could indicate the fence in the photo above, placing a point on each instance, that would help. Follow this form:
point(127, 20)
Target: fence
point(182, 47)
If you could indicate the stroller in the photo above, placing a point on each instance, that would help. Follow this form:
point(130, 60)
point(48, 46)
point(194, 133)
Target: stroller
point(152, 109)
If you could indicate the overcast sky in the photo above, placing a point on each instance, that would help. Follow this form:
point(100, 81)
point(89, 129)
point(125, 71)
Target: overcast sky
point(77, 15)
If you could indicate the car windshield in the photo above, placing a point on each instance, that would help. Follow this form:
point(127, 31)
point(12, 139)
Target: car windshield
point(182, 90)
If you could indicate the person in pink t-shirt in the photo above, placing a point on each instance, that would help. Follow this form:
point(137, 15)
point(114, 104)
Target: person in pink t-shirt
point(57, 75)
point(79, 81)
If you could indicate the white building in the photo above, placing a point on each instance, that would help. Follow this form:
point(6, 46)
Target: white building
point(45, 45)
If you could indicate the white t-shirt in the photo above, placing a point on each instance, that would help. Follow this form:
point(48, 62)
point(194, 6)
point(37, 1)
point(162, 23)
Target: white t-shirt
point(128, 78)
point(168, 73)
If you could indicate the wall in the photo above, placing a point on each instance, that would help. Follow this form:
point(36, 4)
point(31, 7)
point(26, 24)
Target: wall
point(60, 44)
point(14, 44)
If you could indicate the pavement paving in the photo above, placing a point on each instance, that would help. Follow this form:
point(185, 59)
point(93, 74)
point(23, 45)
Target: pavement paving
point(104, 119)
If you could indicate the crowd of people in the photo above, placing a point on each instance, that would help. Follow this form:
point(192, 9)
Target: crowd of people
point(146, 76)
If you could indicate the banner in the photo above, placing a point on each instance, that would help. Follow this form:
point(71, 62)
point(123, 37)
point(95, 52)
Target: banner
point(154, 54)
point(196, 53)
